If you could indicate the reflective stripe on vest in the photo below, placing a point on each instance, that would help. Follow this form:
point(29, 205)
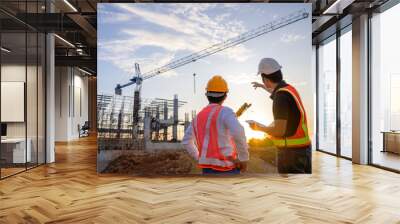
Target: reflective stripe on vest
point(301, 137)
point(206, 134)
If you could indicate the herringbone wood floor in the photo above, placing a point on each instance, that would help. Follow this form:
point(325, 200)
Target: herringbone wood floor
point(70, 191)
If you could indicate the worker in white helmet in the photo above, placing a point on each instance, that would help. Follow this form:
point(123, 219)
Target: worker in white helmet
point(215, 138)
point(288, 131)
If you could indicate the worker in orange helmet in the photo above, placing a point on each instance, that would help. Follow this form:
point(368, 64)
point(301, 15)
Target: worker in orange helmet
point(215, 138)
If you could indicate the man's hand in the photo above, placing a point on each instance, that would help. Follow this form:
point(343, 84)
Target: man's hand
point(257, 84)
point(242, 165)
point(254, 126)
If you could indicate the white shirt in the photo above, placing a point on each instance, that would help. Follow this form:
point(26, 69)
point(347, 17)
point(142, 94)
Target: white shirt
point(228, 127)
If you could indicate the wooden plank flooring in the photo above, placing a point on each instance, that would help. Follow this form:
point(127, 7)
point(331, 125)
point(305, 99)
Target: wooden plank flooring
point(10, 171)
point(70, 191)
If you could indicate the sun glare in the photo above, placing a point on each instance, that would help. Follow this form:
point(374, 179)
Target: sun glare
point(251, 133)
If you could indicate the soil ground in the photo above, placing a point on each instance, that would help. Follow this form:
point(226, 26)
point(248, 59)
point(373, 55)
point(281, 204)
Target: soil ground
point(178, 162)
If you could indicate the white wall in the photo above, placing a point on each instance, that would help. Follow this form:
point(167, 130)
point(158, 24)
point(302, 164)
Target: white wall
point(80, 111)
point(61, 103)
point(71, 102)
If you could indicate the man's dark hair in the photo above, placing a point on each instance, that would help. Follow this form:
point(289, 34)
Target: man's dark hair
point(212, 99)
point(275, 77)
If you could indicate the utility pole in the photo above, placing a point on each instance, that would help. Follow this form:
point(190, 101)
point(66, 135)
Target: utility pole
point(194, 83)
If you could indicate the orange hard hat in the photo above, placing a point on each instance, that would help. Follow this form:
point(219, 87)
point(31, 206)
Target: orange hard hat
point(217, 84)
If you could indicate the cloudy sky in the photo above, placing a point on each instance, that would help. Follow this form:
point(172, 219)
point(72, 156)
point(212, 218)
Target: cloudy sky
point(155, 34)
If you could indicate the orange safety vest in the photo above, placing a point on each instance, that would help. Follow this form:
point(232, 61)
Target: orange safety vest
point(206, 135)
point(300, 138)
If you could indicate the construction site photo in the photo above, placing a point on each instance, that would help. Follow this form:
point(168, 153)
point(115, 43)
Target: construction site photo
point(154, 71)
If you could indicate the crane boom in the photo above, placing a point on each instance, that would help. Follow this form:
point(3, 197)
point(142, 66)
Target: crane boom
point(269, 27)
point(274, 25)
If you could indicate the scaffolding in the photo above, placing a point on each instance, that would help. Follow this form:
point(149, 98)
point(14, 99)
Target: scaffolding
point(164, 117)
point(120, 126)
point(115, 116)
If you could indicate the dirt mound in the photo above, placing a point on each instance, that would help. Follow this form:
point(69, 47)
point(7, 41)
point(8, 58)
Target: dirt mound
point(176, 162)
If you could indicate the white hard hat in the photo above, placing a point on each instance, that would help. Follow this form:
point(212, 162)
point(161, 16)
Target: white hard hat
point(268, 66)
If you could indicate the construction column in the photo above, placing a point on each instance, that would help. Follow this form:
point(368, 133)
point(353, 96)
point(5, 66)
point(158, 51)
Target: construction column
point(165, 132)
point(175, 127)
point(360, 89)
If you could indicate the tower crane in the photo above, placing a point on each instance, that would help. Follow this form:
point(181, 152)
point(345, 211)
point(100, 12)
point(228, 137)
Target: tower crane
point(138, 77)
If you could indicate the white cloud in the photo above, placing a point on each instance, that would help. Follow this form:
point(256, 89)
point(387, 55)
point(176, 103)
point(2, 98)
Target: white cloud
point(240, 79)
point(231, 5)
point(126, 62)
point(291, 38)
point(185, 9)
point(166, 41)
point(222, 17)
point(159, 60)
point(169, 21)
point(114, 17)
point(188, 28)
point(238, 53)
point(205, 61)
